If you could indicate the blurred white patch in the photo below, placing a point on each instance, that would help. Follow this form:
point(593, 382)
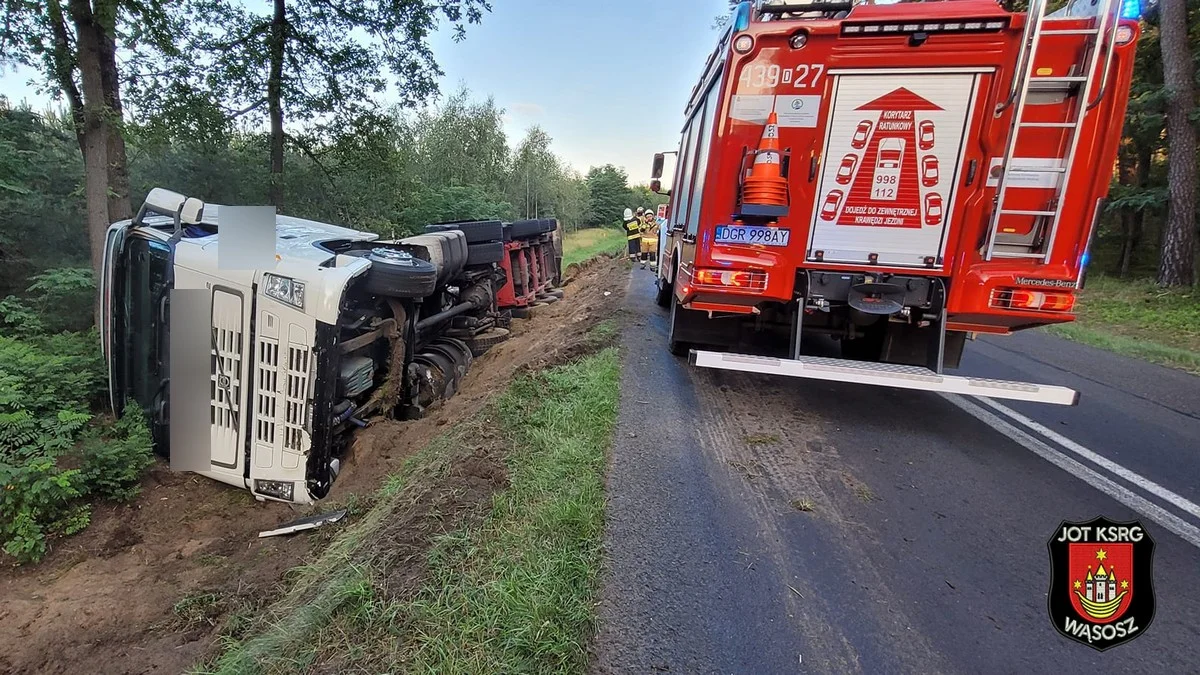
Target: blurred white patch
point(191, 379)
point(247, 238)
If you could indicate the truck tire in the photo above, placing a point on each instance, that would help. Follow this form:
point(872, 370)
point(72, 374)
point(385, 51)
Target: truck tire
point(662, 297)
point(486, 340)
point(485, 254)
point(674, 344)
point(476, 231)
point(397, 274)
point(524, 229)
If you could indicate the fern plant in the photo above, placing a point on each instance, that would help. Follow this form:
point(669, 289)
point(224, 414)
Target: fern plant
point(55, 457)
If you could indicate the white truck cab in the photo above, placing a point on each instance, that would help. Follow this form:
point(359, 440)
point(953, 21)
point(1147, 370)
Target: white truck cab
point(342, 326)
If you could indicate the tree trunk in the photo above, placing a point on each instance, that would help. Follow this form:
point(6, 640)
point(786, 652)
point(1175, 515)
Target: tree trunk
point(1178, 258)
point(93, 134)
point(275, 101)
point(110, 82)
point(1127, 176)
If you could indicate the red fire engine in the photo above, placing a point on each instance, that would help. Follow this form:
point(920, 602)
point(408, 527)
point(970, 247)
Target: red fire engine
point(895, 176)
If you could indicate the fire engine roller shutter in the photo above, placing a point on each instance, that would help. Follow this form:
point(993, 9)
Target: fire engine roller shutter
point(893, 153)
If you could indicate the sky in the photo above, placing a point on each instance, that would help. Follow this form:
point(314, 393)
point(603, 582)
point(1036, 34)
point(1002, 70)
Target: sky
point(607, 79)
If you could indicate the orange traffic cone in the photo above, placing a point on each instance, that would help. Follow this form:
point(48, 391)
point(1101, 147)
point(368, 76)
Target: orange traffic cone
point(766, 185)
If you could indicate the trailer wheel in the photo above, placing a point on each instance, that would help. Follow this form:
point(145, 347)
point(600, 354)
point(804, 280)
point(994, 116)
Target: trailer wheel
point(398, 274)
point(476, 231)
point(523, 229)
point(485, 254)
point(486, 340)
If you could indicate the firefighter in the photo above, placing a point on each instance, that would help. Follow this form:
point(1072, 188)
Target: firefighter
point(632, 233)
point(649, 231)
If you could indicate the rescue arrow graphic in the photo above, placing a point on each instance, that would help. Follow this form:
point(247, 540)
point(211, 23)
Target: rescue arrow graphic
point(886, 191)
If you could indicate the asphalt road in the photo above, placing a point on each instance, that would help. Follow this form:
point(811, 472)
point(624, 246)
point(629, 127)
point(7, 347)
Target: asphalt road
point(765, 525)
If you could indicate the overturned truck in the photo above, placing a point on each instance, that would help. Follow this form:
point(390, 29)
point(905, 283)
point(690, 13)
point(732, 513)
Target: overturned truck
point(257, 375)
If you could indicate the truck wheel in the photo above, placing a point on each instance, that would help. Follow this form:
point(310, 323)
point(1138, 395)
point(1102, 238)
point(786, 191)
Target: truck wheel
point(485, 254)
point(476, 231)
point(663, 297)
point(398, 274)
point(674, 344)
point(523, 229)
point(486, 340)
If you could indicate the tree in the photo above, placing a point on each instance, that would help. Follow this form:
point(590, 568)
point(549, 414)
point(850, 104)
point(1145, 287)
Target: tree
point(535, 174)
point(1177, 264)
point(75, 48)
point(461, 142)
point(318, 63)
point(40, 212)
point(608, 195)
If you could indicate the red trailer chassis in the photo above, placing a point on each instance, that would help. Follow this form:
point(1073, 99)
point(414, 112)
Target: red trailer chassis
point(530, 263)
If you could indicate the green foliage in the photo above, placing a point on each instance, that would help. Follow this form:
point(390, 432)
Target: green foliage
point(59, 299)
point(608, 195)
point(454, 203)
point(41, 205)
point(38, 499)
point(114, 458)
point(54, 456)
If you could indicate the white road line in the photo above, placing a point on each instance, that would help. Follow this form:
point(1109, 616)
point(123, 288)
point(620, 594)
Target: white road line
point(1173, 523)
point(1137, 479)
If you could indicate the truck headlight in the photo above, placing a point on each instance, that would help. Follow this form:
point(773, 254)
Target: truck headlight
point(284, 289)
point(274, 488)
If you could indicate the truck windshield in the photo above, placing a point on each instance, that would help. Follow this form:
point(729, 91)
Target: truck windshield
point(139, 344)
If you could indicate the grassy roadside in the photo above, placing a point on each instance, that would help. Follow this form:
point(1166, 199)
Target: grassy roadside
point(1139, 319)
point(581, 245)
point(481, 555)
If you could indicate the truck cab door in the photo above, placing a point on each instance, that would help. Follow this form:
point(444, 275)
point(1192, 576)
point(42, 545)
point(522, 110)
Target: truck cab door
point(134, 288)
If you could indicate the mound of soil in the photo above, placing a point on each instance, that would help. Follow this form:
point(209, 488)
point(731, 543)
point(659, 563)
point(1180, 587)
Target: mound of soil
point(149, 586)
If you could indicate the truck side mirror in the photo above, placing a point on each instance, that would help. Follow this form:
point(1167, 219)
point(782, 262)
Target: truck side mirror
point(657, 168)
point(656, 185)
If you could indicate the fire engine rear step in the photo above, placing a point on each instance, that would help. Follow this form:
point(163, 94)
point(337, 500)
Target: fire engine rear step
point(884, 375)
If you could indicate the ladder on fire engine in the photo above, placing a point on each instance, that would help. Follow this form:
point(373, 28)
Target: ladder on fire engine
point(1100, 38)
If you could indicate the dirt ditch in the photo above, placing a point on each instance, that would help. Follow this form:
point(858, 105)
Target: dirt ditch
point(149, 586)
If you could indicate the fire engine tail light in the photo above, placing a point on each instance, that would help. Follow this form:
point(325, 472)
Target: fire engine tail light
point(1020, 298)
point(750, 280)
point(1124, 34)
